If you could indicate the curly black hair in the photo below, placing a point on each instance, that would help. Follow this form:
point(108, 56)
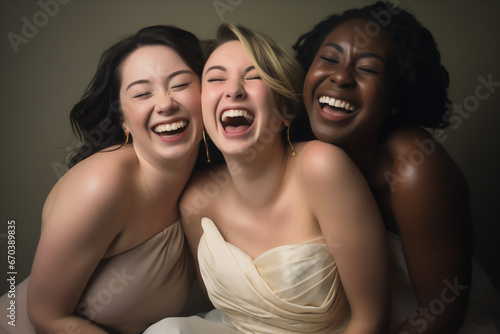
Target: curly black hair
point(422, 80)
point(96, 119)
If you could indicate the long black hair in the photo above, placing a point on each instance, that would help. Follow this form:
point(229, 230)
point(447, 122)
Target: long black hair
point(422, 80)
point(97, 118)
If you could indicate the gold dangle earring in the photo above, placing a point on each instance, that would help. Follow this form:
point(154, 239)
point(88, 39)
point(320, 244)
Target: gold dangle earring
point(127, 134)
point(289, 141)
point(206, 146)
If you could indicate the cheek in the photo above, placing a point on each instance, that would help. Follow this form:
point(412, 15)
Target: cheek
point(207, 109)
point(268, 98)
point(136, 115)
point(375, 93)
point(209, 100)
point(133, 110)
point(307, 90)
point(193, 103)
point(126, 111)
point(313, 78)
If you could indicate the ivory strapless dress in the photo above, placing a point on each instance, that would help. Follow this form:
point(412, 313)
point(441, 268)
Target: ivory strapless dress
point(288, 289)
point(296, 289)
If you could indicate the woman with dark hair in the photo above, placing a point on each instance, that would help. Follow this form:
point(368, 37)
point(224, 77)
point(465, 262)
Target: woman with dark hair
point(112, 257)
point(374, 81)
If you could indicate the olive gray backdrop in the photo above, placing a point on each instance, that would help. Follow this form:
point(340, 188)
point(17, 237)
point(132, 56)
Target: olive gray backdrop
point(49, 50)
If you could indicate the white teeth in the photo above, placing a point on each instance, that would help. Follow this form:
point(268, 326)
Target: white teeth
point(336, 103)
point(236, 113)
point(170, 127)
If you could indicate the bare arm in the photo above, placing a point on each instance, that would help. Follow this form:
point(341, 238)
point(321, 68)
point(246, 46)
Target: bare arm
point(78, 227)
point(431, 208)
point(351, 224)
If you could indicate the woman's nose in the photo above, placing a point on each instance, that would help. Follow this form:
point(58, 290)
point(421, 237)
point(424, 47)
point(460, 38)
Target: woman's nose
point(342, 76)
point(235, 90)
point(166, 104)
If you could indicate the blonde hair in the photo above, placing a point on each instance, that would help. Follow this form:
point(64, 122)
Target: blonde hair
point(281, 72)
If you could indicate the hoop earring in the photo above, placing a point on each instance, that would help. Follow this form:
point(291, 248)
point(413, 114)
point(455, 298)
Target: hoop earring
point(289, 141)
point(127, 135)
point(206, 146)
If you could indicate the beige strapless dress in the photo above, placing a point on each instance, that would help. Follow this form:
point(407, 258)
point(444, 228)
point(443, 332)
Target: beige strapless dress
point(288, 289)
point(130, 291)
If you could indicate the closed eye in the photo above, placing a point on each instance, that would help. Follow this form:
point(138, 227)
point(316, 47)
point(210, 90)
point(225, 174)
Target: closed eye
point(214, 79)
point(368, 70)
point(329, 60)
point(256, 77)
point(141, 95)
point(180, 85)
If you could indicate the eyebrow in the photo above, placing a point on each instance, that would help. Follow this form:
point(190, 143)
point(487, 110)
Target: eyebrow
point(145, 81)
point(222, 68)
point(363, 55)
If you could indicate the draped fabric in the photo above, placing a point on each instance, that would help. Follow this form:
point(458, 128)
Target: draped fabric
point(483, 313)
point(288, 289)
point(129, 291)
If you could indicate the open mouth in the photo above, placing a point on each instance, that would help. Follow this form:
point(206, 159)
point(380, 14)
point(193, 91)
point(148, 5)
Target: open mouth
point(331, 105)
point(236, 120)
point(170, 129)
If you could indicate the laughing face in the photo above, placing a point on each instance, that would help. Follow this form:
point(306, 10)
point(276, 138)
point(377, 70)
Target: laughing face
point(239, 108)
point(347, 88)
point(160, 100)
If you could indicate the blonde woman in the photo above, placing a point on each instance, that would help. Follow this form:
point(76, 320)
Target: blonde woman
point(288, 238)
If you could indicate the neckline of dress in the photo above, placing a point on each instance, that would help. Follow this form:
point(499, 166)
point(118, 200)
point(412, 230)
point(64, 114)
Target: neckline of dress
point(311, 242)
point(160, 232)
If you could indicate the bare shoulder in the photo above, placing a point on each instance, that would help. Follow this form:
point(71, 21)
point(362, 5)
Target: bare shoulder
point(82, 218)
point(203, 189)
point(417, 157)
point(319, 160)
point(98, 183)
point(429, 194)
point(201, 198)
